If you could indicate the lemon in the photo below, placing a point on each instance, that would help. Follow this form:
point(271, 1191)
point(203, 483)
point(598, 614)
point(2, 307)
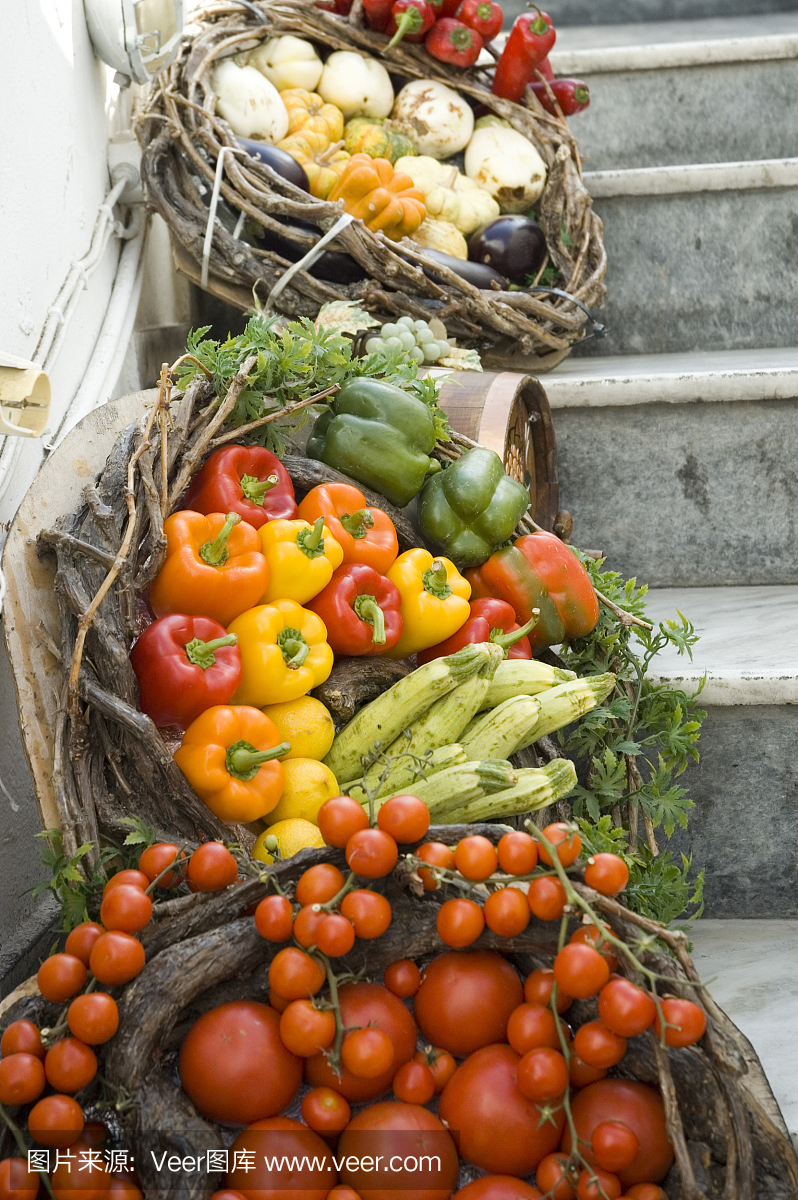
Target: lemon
point(306, 724)
point(307, 785)
point(292, 836)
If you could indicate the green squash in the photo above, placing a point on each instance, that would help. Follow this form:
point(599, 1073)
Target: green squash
point(377, 137)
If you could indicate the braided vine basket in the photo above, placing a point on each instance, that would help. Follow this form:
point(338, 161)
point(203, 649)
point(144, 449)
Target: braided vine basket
point(182, 138)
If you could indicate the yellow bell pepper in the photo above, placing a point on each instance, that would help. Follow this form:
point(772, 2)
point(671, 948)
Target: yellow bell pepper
point(434, 600)
point(284, 652)
point(301, 558)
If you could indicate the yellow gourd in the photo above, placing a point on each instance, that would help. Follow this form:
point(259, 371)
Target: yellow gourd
point(449, 195)
point(323, 161)
point(433, 234)
point(307, 111)
point(384, 199)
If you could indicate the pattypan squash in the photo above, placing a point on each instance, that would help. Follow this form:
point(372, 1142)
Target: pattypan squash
point(378, 138)
point(385, 200)
point(433, 234)
point(449, 195)
point(322, 160)
point(308, 112)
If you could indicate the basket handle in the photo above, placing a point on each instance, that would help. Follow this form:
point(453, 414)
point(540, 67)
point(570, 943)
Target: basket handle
point(597, 331)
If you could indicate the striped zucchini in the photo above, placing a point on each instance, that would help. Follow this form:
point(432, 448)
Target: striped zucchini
point(561, 705)
point(523, 677)
point(503, 730)
point(403, 775)
point(537, 787)
point(458, 786)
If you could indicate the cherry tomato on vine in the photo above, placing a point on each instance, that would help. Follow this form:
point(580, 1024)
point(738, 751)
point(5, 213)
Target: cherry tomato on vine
point(437, 855)
point(555, 1178)
point(306, 1030)
point(475, 857)
point(546, 898)
point(70, 1065)
point(336, 935)
point(566, 842)
point(598, 1046)
point(405, 818)
point(403, 978)
point(81, 940)
point(319, 884)
point(157, 858)
point(22, 1037)
point(506, 912)
point(56, 1121)
point(93, 1018)
point(542, 1074)
point(125, 907)
point(306, 925)
point(279, 1003)
point(581, 1074)
point(125, 1189)
point(531, 1026)
point(414, 1083)
point(371, 853)
point(293, 975)
point(645, 1191)
point(22, 1079)
point(685, 1022)
point(580, 970)
point(441, 1063)
point(367, 1053)
point(325, 1111)
point(369, 912)
point(606, 873)
point(340, 817)
point(615, 1146)
point(625, 1008)
point(60, 977)
point(517, 853)
point(538, 988)
point(598, 1185)
point(129, 878)
point(459, 922)
point(212, 867)
point(16, 1181)
point(591, 936)
point(274, 918)
point(116, 958)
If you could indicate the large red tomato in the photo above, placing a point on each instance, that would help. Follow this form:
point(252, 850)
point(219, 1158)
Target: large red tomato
point(465, 1000)
point(403, 1136)
point(494, 1125)
point(368, 1005)
point(498, 1187)
point(639, 1107)
point(234, 1066)
point(280, 1138)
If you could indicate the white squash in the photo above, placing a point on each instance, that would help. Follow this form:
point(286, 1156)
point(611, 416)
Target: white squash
point(357, 84)
point(449, 195)
point(248, 102)
point(440, 235)
point(507, 165)
point(287, 62)
point(439, 121)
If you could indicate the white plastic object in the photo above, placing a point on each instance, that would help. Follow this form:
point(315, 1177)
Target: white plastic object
point(138, 38)
point(24, 397)
point(124, 162)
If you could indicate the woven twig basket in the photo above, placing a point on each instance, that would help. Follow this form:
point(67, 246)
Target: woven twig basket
point(182, 139)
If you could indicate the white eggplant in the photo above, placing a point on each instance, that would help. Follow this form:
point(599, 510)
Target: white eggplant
point(248, 102)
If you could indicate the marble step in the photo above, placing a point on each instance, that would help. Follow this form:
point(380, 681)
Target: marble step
point(745, 786)
point(698, 90)
point(611, 12)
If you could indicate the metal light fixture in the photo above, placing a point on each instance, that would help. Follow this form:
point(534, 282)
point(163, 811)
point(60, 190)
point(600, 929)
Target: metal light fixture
point(138, 38)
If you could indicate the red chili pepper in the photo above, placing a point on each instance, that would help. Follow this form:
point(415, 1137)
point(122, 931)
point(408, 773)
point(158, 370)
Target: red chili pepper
point(411, 20)
point(490, 621)
point(184, 666)
point(378, 13)
point(453, 42)
point(530, 40)
point(247, 480)
point(449, 8)
point(483, 15)
point(572, 95)
point(361, 610)
point(545, 68)
point(341, 7)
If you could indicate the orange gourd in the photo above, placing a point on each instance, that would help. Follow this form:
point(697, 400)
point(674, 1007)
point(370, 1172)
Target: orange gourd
point(308, 112)
point(384, 199)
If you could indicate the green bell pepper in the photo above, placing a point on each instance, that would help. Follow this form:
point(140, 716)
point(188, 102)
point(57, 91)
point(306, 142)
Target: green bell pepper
point(473, 506)
point(378, 434)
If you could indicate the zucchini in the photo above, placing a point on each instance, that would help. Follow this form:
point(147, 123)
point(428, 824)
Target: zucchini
point(537, 787)
point(458, 786)
point(383, 720)
point(561, 705)
point(523, 677)
point(403, 774)
point(503, 730)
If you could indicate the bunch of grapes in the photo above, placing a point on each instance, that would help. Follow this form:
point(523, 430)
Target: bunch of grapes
point(415, 337)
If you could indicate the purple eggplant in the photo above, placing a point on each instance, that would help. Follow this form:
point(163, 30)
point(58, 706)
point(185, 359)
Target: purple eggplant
point(475, 273)
point(331, 265)
point(279, 161)
point(513, 245)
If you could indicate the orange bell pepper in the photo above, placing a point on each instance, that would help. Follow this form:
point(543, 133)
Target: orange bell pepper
point(366, 535)
point(229, 756)
point(214, 567)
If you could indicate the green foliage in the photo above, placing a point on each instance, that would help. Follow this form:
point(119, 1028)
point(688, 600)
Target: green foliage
point(76, 888)
point(141, 834)
point(295, 360)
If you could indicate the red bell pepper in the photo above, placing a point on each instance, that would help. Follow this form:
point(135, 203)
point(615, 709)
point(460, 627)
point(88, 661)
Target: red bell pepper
point(449, 8)
point(378, 13)
point(247, 480)
point(411, 21)
point(572, 95)
point(361, 610)
point(540, 571)
point(530, 40)
point(483, 15)
point(453, 42)
point(184, 666)
point(490, 621)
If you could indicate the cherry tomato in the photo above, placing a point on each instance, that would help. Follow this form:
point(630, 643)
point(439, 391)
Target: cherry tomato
point(22, 1037)
point(498, 1187)
point(645, 1191)
point(615, 1146)
point(517, 853)
point(607, 874)
point(306, 1030)
point(325, 1110)
point(70, 1065)
point(640, 1108)
point(538, 988)
point(56, 1121)
point(465, 1000)
point(127, 908)
point(475, 857)
point(367, 1053)
point(342, 1192)
point(441, 1064)
point(459, 922)
point(93, 1018)
point(274, 918)
point(580, 1074)
point(530, 1026)
point(566, 842)
point(367, 1005)
point(116, 958)
point(542, 1074)
point(319, 884)
point(625, 1008)
point(128, 878)
point(294, 974)
point(60, 977)
point(437, 855)
point(306, 925)
point(94, 1134)
point(340, 817)
point(403, 978)
point(157, 858)
point(16, 1181)
point(547, 898)
point(591, 936)
point(507, 912)
point(598, 1185)
point(598, 1046)
point(279, 1003)
point(212, 867)
point(405, 818)
point(555, 1178)
point(234, 1065)
point(371, 853)
point(336, 935)
point(685, 1022)
point(414, 1083)
point(580, 970)
point(81, 940)
point(125, 1189)
point(21, 1079)
point(369, 912)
